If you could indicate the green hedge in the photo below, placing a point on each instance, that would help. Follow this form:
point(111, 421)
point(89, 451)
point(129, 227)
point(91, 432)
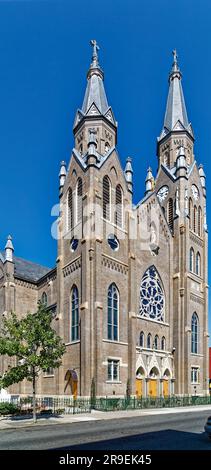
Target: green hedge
point(8, 409)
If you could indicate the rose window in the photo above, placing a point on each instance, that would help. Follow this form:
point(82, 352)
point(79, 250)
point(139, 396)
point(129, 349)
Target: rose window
point(151, 296)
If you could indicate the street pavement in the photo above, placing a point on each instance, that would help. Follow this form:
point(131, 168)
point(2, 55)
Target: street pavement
point(180, 429)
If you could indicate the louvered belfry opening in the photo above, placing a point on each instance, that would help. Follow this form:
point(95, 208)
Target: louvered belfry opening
point(70, 217)
point(170, 213)
point(106, 198)
point(79, 200)
point(119, 207)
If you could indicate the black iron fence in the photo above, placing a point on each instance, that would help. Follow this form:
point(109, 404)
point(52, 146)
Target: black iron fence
point(62, 405)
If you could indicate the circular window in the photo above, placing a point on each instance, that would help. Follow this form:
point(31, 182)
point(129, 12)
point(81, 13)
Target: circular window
point(74, 244)
point(113, 242)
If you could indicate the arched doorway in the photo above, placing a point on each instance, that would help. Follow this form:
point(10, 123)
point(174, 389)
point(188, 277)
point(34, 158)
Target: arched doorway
point(140, 375)
point(166, 383)
point(153, 383)
point(72, 380)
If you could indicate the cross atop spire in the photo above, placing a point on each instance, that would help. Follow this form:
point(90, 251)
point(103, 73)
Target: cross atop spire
point(96, 48)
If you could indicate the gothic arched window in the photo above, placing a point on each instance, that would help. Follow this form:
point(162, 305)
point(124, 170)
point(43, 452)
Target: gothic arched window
point(194, 218)
point(74, 314)
point(119, 206)
point(191, 260)
point(170, 213)
point(199, 221)
point(44, 299)
point(70, 217)
point(106, 198)
point(141, 339)
point(156, 342)
point(149, 341)
point(198, 264)
point(113, 312)
point(151, 296)
point(190, 213)
point(79, 200)
point(194, 333)
point(163, 343)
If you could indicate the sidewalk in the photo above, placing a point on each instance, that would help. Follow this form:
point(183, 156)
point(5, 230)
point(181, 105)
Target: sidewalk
point(21, 422)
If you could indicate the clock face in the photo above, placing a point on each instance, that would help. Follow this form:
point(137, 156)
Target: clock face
point(163, 193)
point(195, 192)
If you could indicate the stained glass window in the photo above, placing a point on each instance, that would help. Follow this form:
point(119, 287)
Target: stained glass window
point(151, 296)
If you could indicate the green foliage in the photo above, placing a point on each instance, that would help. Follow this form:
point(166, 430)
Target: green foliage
point(34, 344)
point(8, 409)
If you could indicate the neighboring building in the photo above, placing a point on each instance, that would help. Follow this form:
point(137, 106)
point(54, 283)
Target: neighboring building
point(129, 293)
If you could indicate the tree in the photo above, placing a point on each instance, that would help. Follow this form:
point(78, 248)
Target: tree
point(34, 344)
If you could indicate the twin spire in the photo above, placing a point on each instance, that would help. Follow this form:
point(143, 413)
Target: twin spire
point(176, 118)
point(95, 102)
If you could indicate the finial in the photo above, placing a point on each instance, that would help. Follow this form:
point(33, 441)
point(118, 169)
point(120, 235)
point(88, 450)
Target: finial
point(96, 48)
point(175, 67)
point(174, 52)
point(129, 174)
point(62, 176)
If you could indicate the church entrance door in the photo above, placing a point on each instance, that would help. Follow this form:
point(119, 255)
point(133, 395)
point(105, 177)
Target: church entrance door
point(165, 388)
point(153, 388)
point(139, 388)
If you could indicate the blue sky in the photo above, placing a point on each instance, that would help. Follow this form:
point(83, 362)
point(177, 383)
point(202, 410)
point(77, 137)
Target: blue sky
point(44, 57)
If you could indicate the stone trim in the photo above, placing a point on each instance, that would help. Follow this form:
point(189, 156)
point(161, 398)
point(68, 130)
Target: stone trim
point(22, 283)
point(196, 239)
point(71, 267)
point(114, 264)
point(195, 298)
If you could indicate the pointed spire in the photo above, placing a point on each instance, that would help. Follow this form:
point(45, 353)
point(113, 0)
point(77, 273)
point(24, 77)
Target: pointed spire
point(62, 176)
point(95, 100)
point(9, 249)
point(149, 181)
point(129, 174)
point(176, 118)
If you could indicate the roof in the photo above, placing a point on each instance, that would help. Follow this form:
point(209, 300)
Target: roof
point(29, 270)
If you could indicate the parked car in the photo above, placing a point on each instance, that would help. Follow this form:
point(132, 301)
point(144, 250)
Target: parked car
point(207, 427)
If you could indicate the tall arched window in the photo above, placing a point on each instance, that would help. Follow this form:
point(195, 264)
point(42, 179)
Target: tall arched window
point(194, 218)
point(163, 343)
point(119, 206)
point(192, 260)
point(149, 341)
point(74, 314)
point(190, 213)
point(156, 342)
point(113, 313)
point(44, 299)
point(106, 198)
point(194, 333)
point(79, 200)
point(199, 221)
point(70, 216)
point(170, 213)
point(198, 264)
point(141, 339)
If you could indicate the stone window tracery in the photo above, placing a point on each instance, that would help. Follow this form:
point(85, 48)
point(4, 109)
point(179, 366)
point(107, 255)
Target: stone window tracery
point(151, 296)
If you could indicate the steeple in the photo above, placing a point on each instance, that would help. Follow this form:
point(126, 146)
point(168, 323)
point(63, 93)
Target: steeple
point(95, 104)
point(176, 118)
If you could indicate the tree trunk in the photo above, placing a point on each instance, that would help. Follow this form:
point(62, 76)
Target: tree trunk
point(34, 394)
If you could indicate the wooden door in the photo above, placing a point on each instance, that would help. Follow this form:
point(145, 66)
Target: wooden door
point(165, 388)
point(153, 388)
point(139, 388)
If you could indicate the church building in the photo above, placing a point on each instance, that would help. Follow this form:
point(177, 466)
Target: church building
point(129, 290)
